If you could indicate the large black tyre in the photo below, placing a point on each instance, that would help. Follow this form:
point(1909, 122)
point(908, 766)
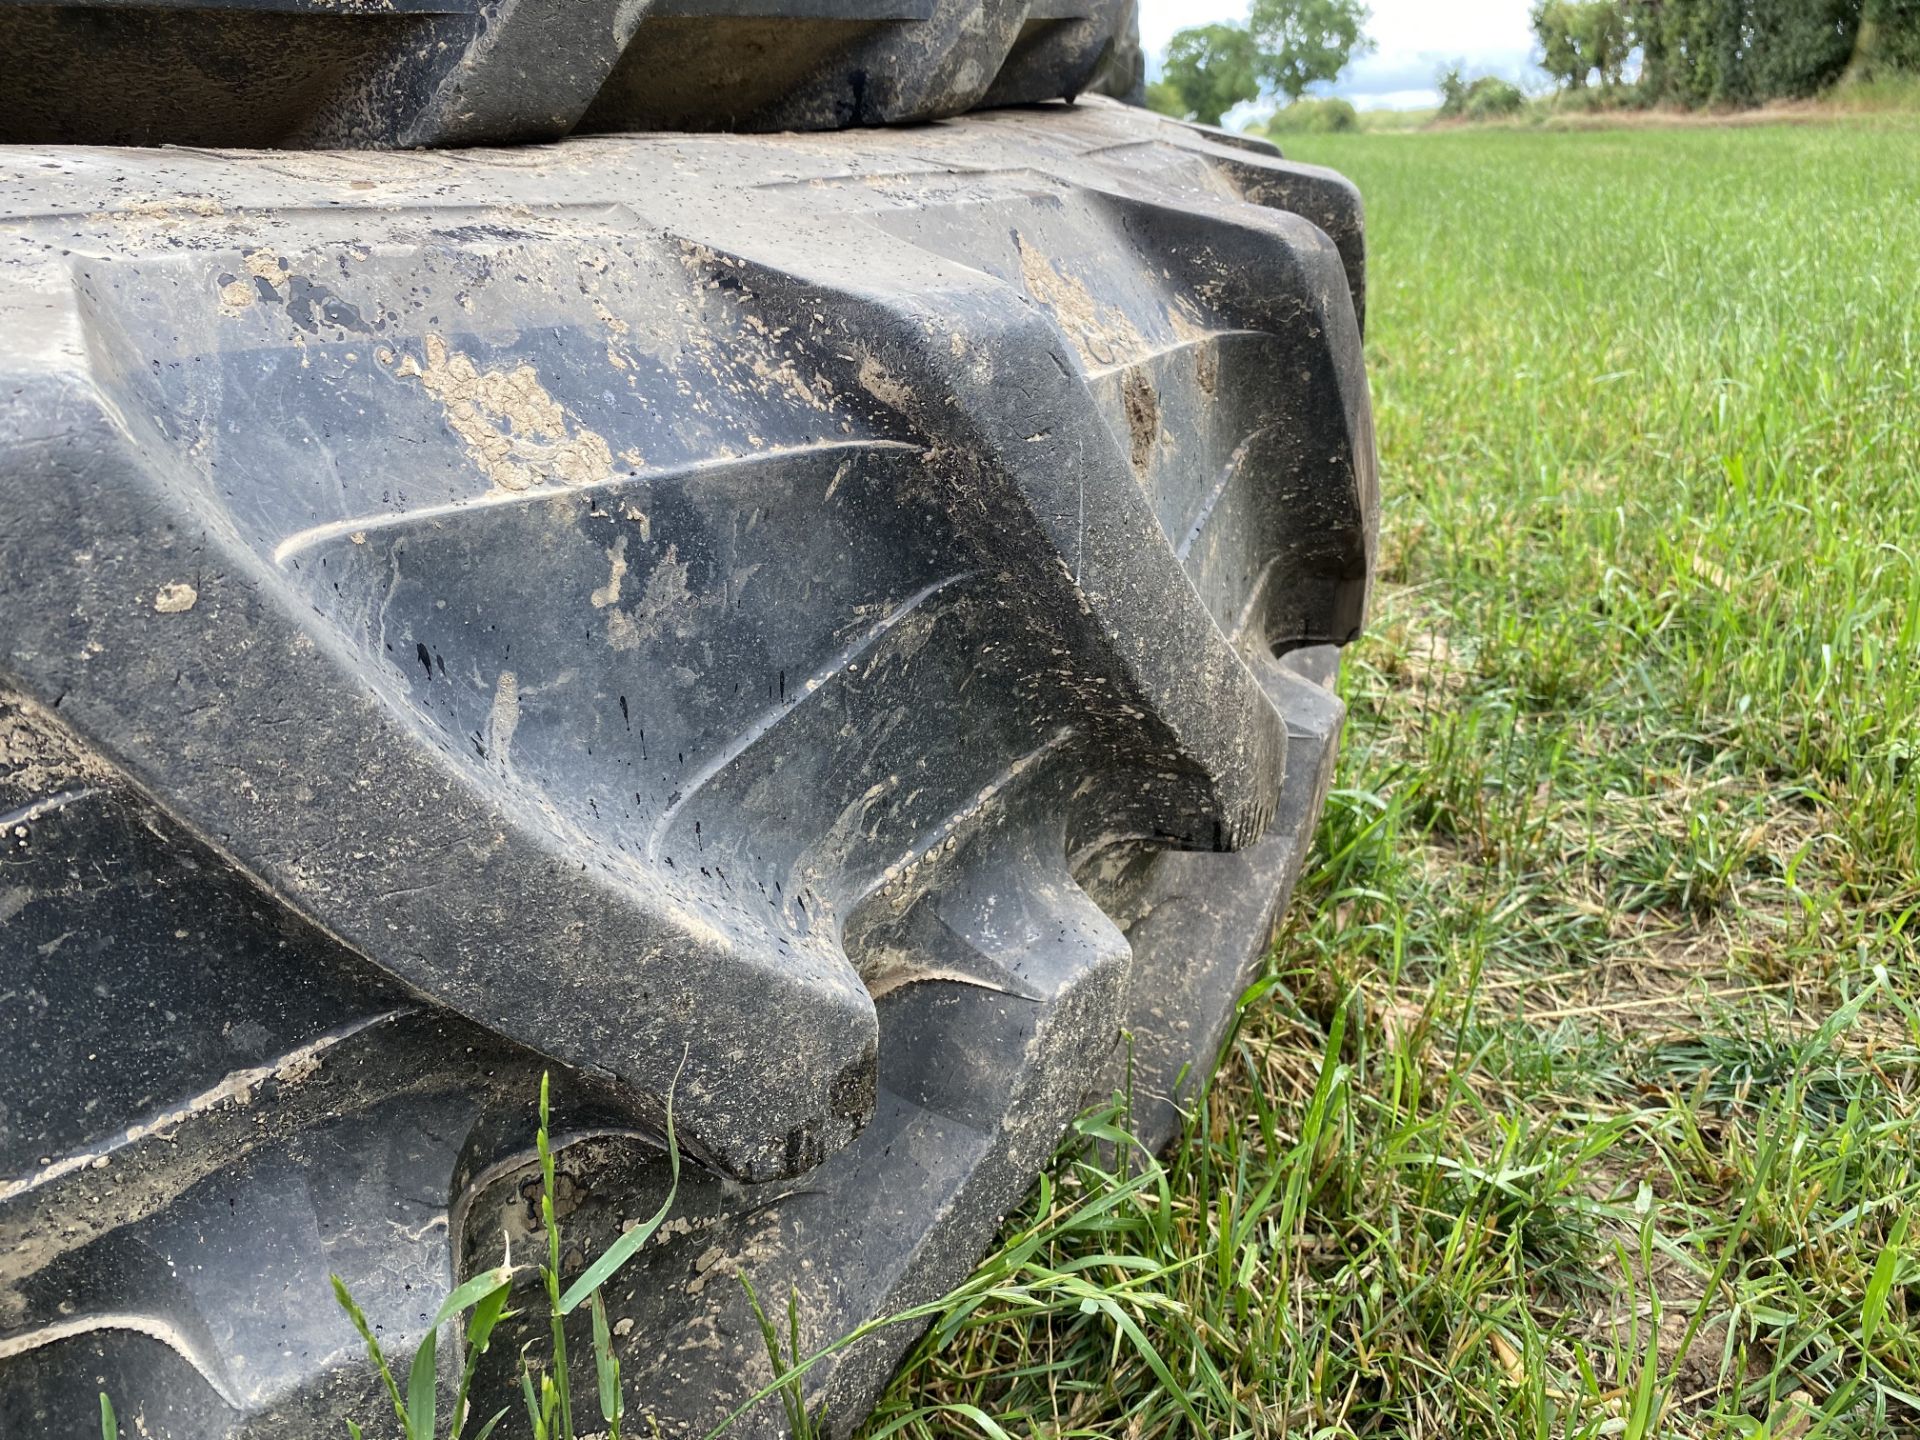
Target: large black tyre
point(843, 621)
point(469, 72)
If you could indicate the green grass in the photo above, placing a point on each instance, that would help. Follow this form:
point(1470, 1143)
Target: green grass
point(1583, 1095)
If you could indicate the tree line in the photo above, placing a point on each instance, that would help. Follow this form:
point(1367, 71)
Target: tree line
point(1652, 52)
point(1723, 52)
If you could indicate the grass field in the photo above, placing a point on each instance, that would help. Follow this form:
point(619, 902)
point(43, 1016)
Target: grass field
point(1583, 1098)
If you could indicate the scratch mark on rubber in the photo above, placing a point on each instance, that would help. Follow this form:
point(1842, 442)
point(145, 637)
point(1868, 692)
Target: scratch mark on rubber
point(950, 825)
point(236, 1085)
point(29, 813)
point(899, 979)
point(302, 540)
point(767, 719)
point(1228, 472)
point(1080, 543)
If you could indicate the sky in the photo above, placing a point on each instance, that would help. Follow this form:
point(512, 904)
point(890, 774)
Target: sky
point(1414, 40)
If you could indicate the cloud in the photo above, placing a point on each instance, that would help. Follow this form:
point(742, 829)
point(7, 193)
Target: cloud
point(1402, 79)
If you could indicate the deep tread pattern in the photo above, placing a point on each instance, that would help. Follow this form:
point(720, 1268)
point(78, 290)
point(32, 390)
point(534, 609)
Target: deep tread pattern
point(844, 624)
point(402, 73)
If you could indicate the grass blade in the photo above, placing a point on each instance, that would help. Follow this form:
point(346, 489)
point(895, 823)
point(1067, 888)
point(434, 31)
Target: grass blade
point(606, 1368)
point(470, 1294)
point(422, 1395)
point(346, 1302)
point(624, 1249)
point(536, 1422)
point(1873, 1307)
point(480, 1328)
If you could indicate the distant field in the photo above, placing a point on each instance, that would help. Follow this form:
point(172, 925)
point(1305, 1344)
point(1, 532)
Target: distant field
point(1396, 120)
point(1585, 1098)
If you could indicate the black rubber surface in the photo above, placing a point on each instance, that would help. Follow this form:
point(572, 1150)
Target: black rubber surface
point(849, 615)
point(468, 72)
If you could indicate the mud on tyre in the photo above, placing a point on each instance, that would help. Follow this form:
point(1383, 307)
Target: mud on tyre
point(851, 616)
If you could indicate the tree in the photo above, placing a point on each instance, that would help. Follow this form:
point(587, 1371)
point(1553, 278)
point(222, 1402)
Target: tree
point(1578, 37)
point(1606, 38)
point(1211, 68)
point(1486, 97)
point(1556, 26)
point(1307, 42)
point(1889, 37)
point(1797, 48)
point(1746, 52)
